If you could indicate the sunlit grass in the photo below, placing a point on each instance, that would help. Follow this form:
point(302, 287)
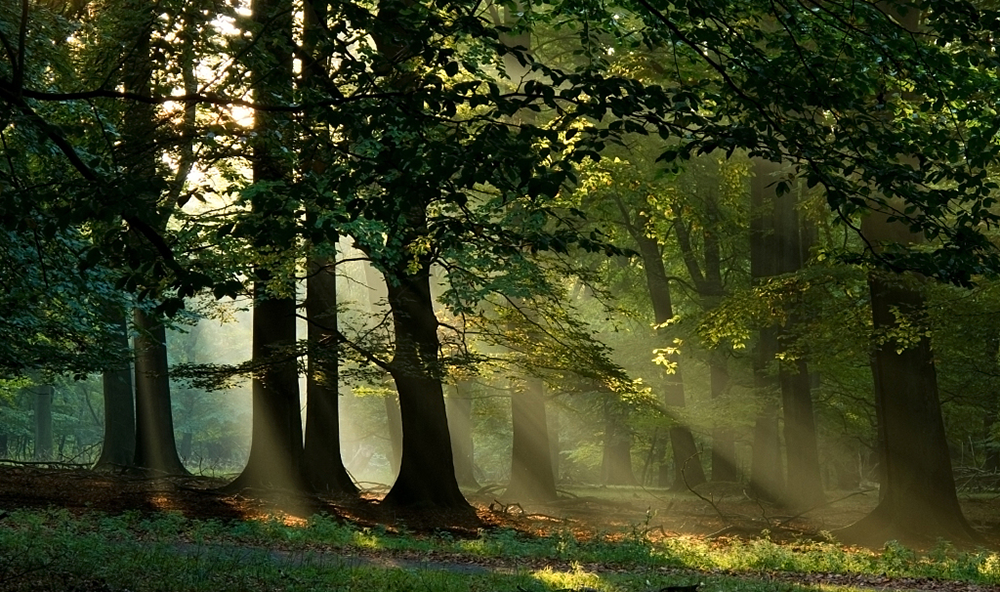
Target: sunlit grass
point(57, 550)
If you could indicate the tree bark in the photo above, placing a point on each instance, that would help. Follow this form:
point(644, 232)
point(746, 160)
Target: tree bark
point(531, 476)
point(724, 466)
point(917, 501)
point(155, 445)
point(805, 483)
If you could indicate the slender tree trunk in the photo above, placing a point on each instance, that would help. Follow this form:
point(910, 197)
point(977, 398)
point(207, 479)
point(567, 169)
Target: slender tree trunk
point(805, 484)
point(459, 409)
point(118, 449)
point(688, 471)
point(155, 446)
point(616, 461)
point(555, 427)
point(531, 476)
point(276, 448)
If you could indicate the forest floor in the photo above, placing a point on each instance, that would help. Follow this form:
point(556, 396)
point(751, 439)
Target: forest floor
point(719, 512)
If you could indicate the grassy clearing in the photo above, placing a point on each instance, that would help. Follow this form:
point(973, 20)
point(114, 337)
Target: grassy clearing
point(56, 550)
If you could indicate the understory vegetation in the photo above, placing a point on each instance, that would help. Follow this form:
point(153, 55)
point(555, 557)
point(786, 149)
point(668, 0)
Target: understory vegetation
point(56, 549)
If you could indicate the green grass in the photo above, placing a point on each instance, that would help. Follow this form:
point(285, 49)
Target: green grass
point(54, 550)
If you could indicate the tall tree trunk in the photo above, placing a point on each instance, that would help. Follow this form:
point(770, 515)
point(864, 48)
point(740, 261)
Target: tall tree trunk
point(322, 457)
point(427, 469)
point(688, 471)
point(531, 476)
point(276, 448)
point(118, 448)
point(917, 496)
point(155, 446)
point(805, 483)
point(766, 474)
point(459, 409)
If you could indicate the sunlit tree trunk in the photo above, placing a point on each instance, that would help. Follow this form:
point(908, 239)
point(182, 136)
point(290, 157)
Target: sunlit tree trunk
point(706, 275)
point(426, 469)
point(804, 486)
point(322, 458)
point(324, 466)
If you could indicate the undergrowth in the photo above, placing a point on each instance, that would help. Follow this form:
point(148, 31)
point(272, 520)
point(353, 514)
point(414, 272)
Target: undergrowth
point(58, 550)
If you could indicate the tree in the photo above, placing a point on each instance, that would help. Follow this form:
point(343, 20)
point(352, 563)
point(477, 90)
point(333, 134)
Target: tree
point(276, 452)
point(322, 461)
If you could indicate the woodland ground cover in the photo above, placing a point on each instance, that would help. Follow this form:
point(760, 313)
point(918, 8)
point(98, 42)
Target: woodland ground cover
point(606, 539)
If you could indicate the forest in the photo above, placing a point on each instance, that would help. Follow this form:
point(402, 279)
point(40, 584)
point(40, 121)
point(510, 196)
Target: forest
point(460, 258)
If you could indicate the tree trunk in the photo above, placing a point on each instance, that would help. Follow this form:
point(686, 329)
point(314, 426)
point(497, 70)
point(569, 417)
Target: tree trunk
point(155, 446)
point(276, 448)
point(459, 409)
point(805, 484)
point(724, 466)
point(118, 449)
point(43, 421)
point(766, 472)
point(323, 463)
point(555, 428)
point(426, 469)
point(616, 461)
point(531, 476)
point(688, 471)
point(918, 501)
